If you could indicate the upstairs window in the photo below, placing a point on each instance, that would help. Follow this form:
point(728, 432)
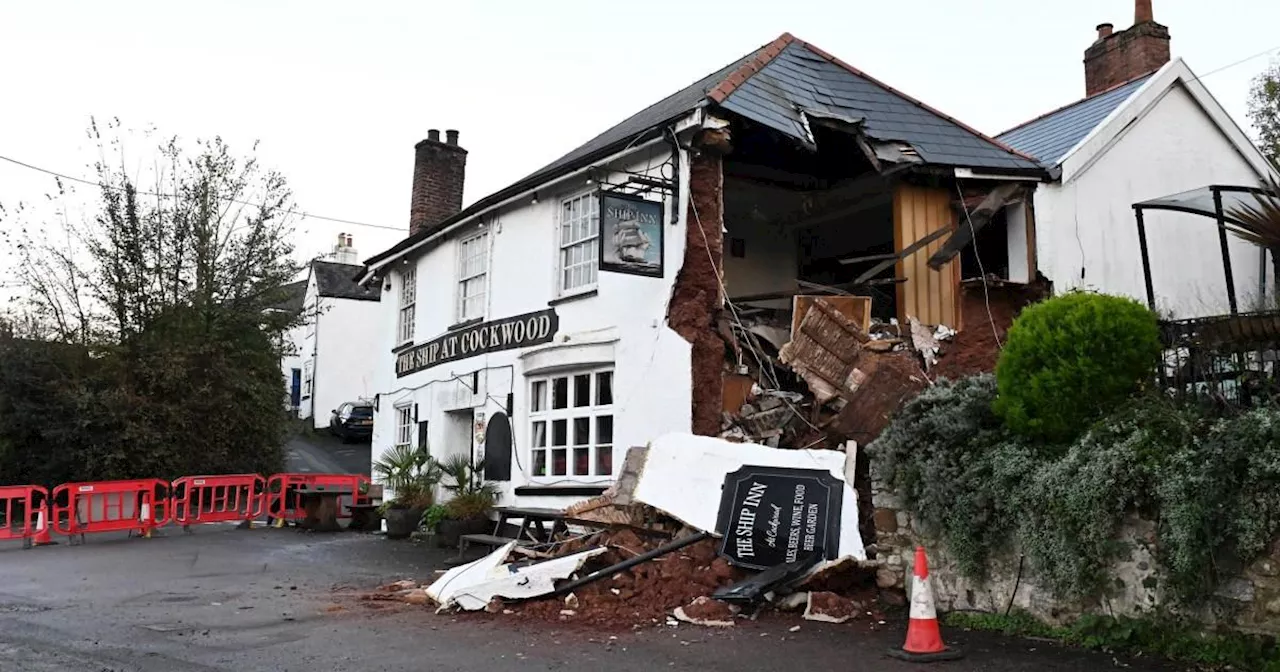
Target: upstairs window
point(473, 269)
point(579, 243)
point(408, 300)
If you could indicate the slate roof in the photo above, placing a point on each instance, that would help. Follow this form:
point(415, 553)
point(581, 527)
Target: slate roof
point(339, 281)
point(293, 296)
point(804, 78)
point(770, 86)
point(1051, 136)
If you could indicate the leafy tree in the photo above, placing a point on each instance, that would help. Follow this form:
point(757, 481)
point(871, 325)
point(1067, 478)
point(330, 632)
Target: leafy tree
point(1264, 110)
point(155, 349)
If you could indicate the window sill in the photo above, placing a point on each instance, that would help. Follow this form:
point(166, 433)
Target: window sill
point(402, 347)
point(466, 323)
point(574, 297)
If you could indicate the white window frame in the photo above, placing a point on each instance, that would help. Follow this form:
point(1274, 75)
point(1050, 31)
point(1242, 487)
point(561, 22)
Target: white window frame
point(308, 379)
point(406, 317)
point(473, 276)
point(404, 424)
point(551, 460)
point(578, 244)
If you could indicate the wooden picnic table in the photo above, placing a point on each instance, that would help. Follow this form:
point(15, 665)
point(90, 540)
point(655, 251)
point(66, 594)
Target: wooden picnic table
point(534, 523)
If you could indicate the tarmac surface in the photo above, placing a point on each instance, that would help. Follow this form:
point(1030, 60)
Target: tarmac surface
point(320, 453)
point(278, 599)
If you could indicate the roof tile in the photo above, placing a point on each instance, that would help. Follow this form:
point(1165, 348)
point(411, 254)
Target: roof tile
point(1051, 136)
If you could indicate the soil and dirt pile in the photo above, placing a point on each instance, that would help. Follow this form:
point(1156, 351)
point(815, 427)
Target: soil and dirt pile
point(643, 594)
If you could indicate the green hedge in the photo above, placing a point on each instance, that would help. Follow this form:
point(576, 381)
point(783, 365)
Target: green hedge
point(1212, 485)
point(1071, 358)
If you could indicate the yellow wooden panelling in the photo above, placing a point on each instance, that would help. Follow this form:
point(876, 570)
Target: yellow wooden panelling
point(933, 297)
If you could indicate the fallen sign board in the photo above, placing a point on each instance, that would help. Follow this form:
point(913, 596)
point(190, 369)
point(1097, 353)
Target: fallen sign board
point(682, 475)
point(771, 516)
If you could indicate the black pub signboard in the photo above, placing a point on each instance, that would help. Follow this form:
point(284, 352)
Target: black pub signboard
point(505, 334)
point(771, 516)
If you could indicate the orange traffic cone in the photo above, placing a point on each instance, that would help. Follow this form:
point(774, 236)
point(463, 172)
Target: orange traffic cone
point(42, 538)
point(924, 640)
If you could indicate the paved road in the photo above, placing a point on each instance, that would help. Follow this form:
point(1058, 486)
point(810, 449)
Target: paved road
point(279, 600)
point(322, 454)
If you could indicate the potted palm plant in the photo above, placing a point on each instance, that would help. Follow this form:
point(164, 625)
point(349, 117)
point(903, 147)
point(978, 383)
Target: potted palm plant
point(412, 475)
point(467, 511)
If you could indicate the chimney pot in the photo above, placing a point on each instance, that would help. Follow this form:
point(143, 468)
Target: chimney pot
point(1142, 12)
point(1118, 57)
point(342, 240)
point(433, 135)
point(451, 137)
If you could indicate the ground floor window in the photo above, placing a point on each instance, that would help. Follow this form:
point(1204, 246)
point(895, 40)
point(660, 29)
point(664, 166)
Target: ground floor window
point(404, 424)
point(571, 423)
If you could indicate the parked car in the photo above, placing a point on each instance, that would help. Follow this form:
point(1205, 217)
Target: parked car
point(352, 421)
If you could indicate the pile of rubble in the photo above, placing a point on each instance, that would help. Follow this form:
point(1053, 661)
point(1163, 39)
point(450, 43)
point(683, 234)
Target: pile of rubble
point(647, 552)
point(668, 590)
point(838, 378)
point(669, 543)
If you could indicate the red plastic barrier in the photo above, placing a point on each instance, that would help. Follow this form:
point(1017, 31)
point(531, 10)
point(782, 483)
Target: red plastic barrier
point(218, 499)
point(111, 506)
point(283, 504)
point(24, 513)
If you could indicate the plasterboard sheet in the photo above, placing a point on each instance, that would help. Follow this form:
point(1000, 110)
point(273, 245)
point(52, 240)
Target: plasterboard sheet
point(471, 574)
point(521, 583)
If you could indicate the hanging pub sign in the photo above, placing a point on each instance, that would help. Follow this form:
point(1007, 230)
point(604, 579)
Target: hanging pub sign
point(630, 235)
point(505, 334)
point(772, 516)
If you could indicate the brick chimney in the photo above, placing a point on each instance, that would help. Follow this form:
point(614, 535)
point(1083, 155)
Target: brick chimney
point(439, 169)
point(1116, 58)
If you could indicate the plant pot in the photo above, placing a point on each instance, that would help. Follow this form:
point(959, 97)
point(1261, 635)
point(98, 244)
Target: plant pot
point(451, 530)
point(402, 522)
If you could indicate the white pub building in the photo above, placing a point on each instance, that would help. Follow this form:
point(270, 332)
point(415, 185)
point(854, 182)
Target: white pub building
point(547, 328)
point(509, 340)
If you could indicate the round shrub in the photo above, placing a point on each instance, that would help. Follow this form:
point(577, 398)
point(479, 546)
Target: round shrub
point(1070, 359)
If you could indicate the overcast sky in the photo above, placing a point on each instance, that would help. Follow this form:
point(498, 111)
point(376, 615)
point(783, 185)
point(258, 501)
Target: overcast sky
point(338, 92)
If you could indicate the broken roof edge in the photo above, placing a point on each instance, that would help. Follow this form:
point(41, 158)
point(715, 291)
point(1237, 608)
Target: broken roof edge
point(913, 100)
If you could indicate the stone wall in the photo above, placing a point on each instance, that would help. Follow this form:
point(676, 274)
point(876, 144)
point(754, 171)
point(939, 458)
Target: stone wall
point(1248, 602)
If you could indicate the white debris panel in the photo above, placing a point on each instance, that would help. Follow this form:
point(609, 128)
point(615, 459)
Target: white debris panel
point(472, 586)
point(683, 476)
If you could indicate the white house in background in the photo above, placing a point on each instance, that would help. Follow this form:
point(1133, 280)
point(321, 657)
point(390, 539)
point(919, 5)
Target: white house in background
point(331, 359)
point(554, 324)
point(1148, 129)
point(291, 360)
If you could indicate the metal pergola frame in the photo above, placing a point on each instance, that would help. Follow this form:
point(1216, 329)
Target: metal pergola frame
point(1218, 213)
